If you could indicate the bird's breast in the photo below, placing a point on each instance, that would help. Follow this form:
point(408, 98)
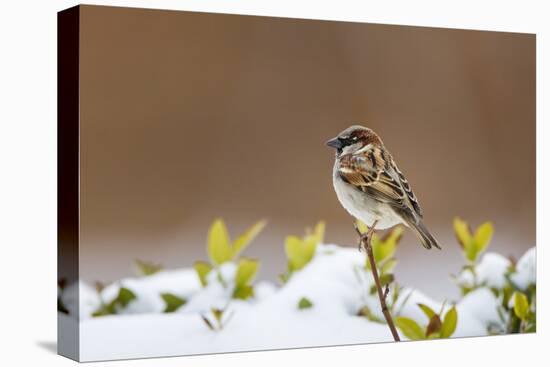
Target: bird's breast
point(362, 206)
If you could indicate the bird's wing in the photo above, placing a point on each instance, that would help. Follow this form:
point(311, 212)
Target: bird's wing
point(373, 171)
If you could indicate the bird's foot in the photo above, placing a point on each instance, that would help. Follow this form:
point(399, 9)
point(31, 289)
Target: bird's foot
point(365, 238)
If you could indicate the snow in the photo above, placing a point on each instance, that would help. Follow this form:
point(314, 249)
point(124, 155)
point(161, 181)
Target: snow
point(476, 311)
point(491, 270)
point(526, 270)
point(182, 283)
point(335, 282)
point(89, 299)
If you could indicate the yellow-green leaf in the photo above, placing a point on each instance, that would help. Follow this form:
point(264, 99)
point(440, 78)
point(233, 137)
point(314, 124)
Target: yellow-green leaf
point(388, 266)
point(202, 270)
point(394, 236)
point(449, 323)
point(243, 292)
point(218, 314)
point(147, 268)
point(309, 247)
point(319, 232)
point(363, 228)
point(219, 248)
point(300, 252)
point(246, 271)
point(462, 232)
point(471, 251)
point(386, 279)
point(244, 239)
point(304, 303)
point(410, 328)
point(427, 310)
point(483, 236)
point(385, 248)
point(521, 305)
point(294, 252)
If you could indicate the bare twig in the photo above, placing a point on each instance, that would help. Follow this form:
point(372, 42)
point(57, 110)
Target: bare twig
point(365, 242)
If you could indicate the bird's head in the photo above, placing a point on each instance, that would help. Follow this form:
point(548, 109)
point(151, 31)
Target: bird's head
point(353, 138)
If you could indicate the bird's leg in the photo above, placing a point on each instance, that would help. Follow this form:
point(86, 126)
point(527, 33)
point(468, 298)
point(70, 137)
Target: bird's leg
point(365, 238)
point(360, 234)
point(368, 236)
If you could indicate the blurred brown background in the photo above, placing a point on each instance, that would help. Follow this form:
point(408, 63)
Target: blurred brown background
point(186, 117)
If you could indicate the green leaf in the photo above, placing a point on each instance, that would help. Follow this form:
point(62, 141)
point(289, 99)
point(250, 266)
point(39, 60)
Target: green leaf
point(462, 232)
point(377, 248)
point(410, 328)
point(284, 277)
point(125, 296)
point(147, 268)
point(471, 251)
point(521, 305)
point(218, 314)
point(309, 247)
point(365, 311)
point(449, 323)
point(244, 239)
point(203, 269)
point(385, 248)
point(388, 266)
point(483, 236)
point(319, 232)
point(294, 253)
point(386, 279)
point(219, 248)
point(427, 310)
point(172, 302)
point(304, 303)
point(299, 252)
point(363, 228)
point(246, 271)
point(243, 292)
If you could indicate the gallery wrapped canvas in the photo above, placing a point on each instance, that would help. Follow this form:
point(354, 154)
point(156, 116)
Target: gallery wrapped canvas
point(232, 183)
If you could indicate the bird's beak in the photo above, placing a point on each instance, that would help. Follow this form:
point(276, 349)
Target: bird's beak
point(335, 143)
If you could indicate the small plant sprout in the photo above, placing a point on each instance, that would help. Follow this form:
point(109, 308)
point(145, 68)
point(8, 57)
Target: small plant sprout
point(202, 269)
point(147, 268)
point(246, 271)
point(473, 244)
point(124, 297)
point(220, 319)
point(524, 319)
point(300, 251)
point(516, 307)
point(436, 328)
point(221, 249)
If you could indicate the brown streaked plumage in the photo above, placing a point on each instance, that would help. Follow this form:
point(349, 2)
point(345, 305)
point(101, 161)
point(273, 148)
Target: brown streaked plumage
point(371, 187)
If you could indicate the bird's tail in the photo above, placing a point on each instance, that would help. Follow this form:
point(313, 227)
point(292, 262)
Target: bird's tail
point(424, 235)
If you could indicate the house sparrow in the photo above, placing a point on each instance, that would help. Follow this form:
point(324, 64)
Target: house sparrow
point(371, 187)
